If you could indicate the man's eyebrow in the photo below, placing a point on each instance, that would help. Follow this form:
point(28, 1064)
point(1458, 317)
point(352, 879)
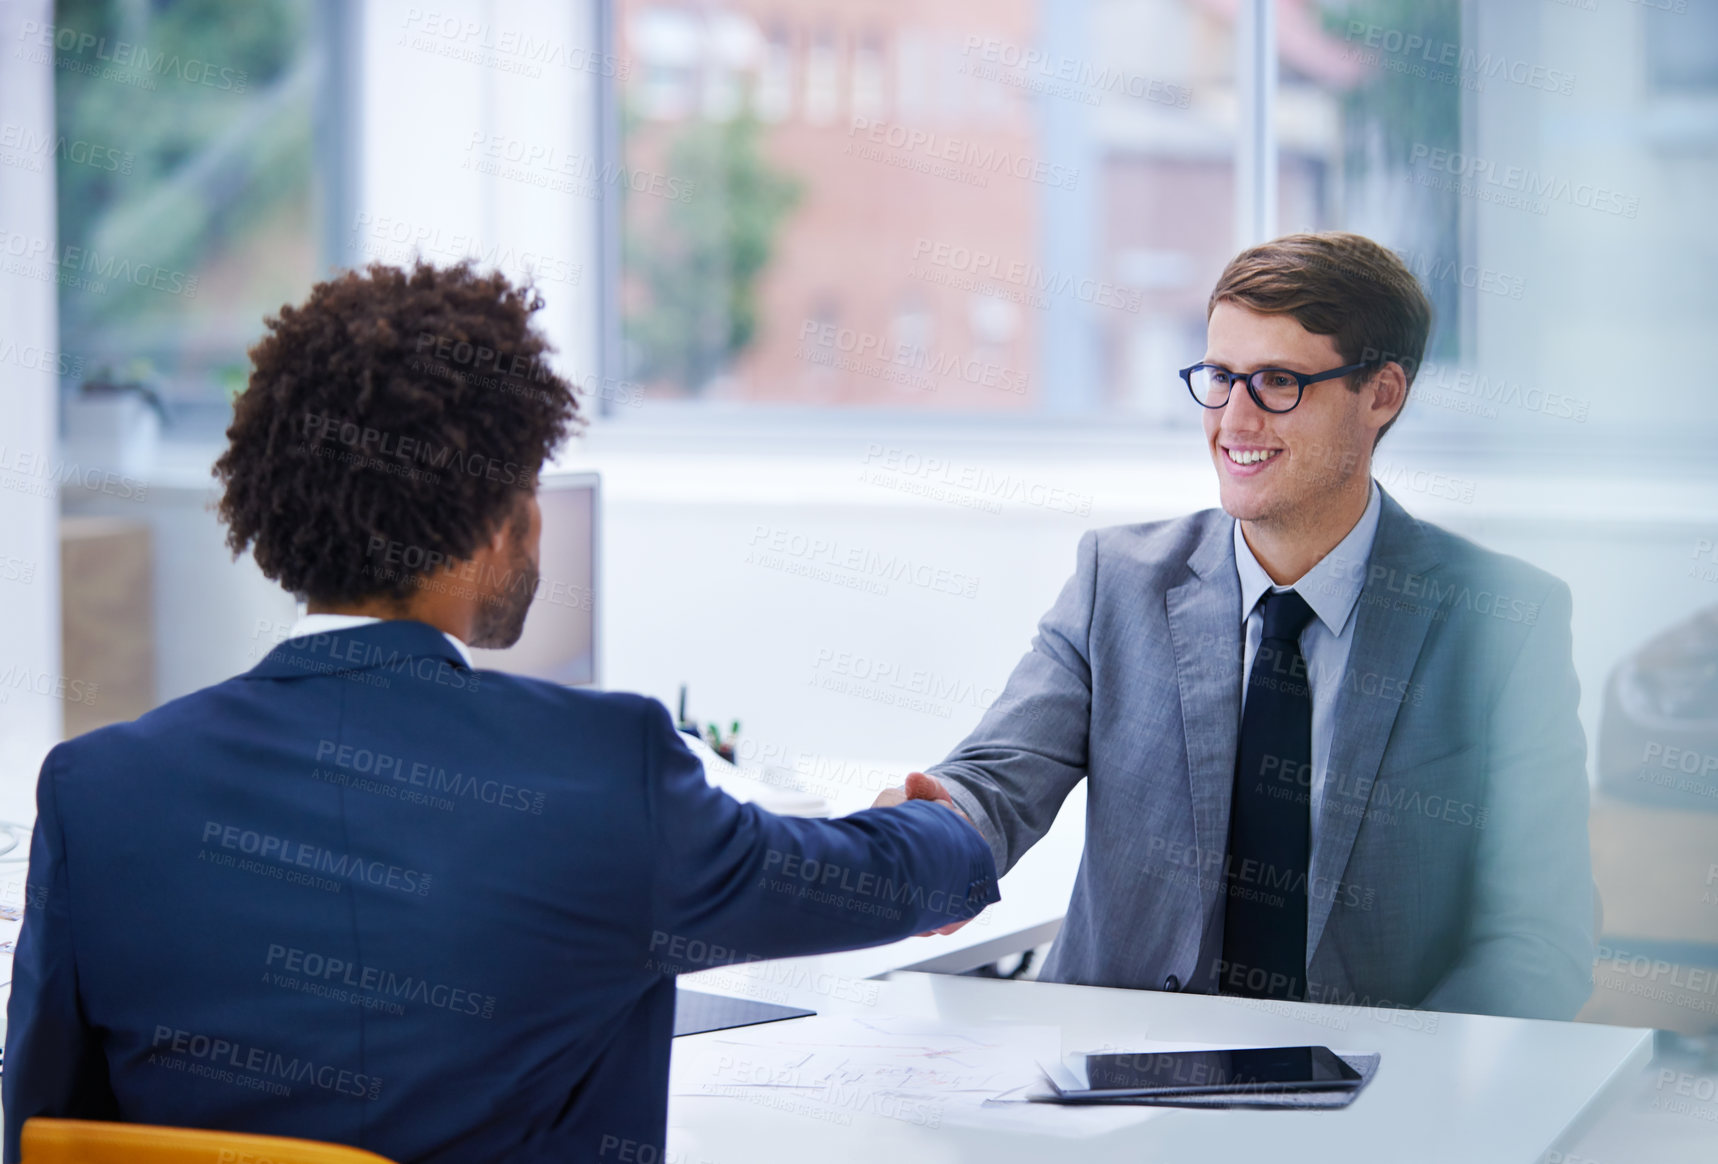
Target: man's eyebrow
point(1273, 362)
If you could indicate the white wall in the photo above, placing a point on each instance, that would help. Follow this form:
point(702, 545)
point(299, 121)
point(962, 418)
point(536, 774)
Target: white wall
point(685, 597)
point(30, 723)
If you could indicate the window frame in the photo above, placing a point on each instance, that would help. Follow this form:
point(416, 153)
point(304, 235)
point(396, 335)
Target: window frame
point(654, 424)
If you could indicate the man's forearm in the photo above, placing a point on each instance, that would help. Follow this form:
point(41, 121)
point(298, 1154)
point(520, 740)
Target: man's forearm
point(1520, 976)
point(977, 810)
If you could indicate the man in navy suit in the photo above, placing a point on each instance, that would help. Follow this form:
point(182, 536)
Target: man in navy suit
point(367, 893)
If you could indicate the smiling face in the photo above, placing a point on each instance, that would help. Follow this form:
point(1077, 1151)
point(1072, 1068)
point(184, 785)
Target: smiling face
point(1288, 471)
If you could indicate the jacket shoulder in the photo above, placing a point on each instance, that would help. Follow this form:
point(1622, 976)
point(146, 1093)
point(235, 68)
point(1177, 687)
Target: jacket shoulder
point(167, 722)
point(1155, 544)
point(580, 698)
point(1463, 557)
point(164, 730)
point(529, 697)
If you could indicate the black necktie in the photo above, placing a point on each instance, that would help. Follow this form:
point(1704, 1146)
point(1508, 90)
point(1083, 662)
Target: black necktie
point(1264, 927)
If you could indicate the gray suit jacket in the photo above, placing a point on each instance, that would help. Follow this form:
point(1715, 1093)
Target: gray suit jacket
point(1452, 871)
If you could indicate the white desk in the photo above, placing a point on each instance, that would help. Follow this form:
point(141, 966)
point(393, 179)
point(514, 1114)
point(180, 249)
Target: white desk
point(1467, 1088)
point(1474, 1089)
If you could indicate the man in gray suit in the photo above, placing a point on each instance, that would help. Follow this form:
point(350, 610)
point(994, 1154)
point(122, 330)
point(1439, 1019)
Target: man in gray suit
point(1332, 751)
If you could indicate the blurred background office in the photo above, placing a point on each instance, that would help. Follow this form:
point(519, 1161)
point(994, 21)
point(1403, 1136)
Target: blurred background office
point(878, 306)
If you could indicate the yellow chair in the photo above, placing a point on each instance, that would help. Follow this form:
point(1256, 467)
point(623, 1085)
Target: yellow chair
point(48, 1141)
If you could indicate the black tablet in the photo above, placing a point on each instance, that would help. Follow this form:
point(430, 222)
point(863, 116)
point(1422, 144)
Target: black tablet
point(1243, 1070)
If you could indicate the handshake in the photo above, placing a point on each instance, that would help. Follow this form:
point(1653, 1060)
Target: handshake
point(922, 787)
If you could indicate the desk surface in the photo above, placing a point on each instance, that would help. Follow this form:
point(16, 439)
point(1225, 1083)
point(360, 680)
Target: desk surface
point(1468, 1088)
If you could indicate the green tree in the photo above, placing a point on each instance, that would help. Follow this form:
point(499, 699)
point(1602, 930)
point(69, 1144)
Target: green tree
point(204, 160)
point(1391, 112)
point(697, 260)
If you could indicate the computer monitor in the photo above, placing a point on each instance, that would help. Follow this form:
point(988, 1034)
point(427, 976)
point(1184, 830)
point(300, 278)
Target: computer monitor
point(559, 642)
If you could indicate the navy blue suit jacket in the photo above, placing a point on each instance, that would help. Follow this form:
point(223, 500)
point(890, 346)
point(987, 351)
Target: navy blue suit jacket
point(364, 894)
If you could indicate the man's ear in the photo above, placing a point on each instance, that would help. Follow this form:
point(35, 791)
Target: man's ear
point(507, 527)
point(1389, 387)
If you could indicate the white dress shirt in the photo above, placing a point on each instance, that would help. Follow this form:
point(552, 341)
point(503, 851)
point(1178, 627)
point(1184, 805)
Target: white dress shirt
point(1331, 588)
point(321, 624)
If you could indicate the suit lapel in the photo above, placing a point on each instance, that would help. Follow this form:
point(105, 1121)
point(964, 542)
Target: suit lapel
point(1205, 630)
point(1386, 644)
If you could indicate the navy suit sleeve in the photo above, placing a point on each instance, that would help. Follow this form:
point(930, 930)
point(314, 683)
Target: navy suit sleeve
point(54, 1064)
point(735, 883)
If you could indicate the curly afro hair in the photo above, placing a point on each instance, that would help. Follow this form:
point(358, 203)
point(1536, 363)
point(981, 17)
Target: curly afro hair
point(393, 409)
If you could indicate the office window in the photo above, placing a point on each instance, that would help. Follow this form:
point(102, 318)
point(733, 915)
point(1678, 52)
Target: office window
point(1018, 214)
point(1682, 53)
point(1358, 108)
point(823, 78)
point(773, 99)
point(669, 44)
point(912, 71)
point(869, 77)
point(734, 50)
point(1542, 183)
point(187, 207)
point(1055, 188)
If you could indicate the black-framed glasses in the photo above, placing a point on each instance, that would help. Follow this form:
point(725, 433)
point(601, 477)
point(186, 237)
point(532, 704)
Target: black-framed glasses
point(1272, 389)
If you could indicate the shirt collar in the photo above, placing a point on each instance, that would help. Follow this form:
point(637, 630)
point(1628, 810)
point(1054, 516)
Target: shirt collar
point(321, 624)
point(1331, 587)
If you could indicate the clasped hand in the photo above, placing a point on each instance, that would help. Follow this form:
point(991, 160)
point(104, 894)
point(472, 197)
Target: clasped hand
point(922, 787)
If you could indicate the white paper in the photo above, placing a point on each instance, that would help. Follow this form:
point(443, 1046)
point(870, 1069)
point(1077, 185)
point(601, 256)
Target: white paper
point(921, 1072)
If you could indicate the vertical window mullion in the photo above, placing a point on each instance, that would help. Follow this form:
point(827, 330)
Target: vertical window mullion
point(607, 223)
point(1255, 131)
